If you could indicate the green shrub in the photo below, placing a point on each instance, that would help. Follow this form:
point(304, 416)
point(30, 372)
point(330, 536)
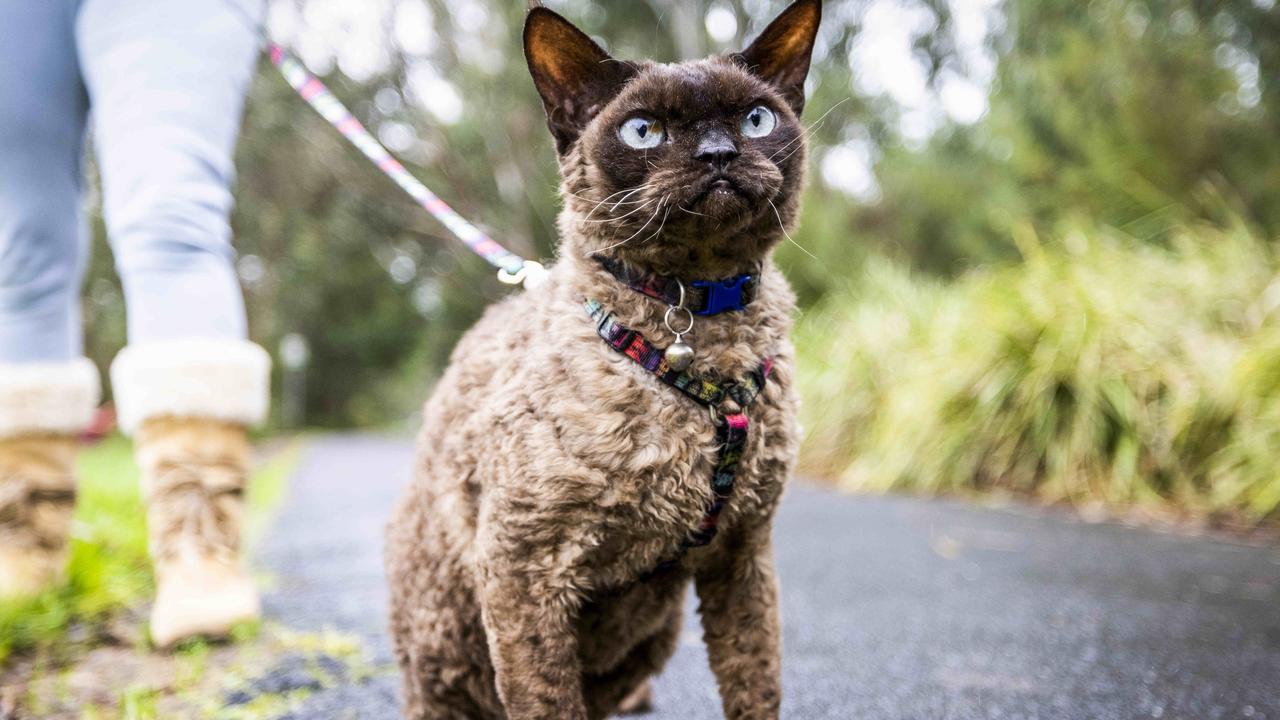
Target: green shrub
point(1100, 368)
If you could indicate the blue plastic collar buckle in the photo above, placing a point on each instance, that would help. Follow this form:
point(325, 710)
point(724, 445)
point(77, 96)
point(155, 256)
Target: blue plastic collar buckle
point(722, 296)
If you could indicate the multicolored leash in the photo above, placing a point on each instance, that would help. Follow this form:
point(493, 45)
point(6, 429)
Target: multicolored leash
point(512, 269)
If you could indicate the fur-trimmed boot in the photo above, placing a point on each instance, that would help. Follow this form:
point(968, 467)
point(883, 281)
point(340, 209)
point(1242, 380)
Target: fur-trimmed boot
point(188, 405)
point(42, 408)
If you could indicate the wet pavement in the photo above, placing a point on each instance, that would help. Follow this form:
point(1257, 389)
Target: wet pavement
point(894, 609)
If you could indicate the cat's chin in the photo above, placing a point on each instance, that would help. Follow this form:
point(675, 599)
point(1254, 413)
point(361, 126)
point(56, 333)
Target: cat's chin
point(721, 200)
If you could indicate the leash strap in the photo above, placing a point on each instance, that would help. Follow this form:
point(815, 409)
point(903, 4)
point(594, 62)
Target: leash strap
point(701, 297)
point(731, 428)
point(513, 268)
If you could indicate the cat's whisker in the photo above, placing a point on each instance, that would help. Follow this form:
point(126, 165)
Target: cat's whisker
point(782, 226)
point(798, 141)
point(616, 219)
point(626, 193)
point(816, 123)
point(584, 198)
point(621, 201)
point(799, 147)
point(591, 199)
point(784, 148)
point(793, 152)
point(810, 129)
point(607, 248)
point(806, 135)
point(623, 191)
point(660, 225)
point(645, 186)
point(642, 227)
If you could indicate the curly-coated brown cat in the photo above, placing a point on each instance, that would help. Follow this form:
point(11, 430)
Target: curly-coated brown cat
point(570, 480)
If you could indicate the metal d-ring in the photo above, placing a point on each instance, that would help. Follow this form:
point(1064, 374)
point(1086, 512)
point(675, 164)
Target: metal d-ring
point(666, 320)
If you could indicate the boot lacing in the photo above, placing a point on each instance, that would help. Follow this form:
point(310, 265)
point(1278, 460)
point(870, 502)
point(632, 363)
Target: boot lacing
point(19, 494)
point(189, 501)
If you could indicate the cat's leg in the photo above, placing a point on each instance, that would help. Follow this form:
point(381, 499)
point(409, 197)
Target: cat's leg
point(438, 685)
point(437, 701)
point(529, 606)
point(435, 625)
point(738, 596)
point(628, 682)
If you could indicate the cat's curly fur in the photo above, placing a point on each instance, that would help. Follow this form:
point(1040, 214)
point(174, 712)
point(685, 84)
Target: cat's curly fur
point(553, 473)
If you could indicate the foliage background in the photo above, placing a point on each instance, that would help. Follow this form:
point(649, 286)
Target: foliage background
point(1036, 249)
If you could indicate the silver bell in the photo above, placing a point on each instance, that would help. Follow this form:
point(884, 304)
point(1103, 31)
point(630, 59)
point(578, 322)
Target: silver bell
point(679, 356)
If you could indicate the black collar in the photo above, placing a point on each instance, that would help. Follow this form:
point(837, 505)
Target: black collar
point(701, 297)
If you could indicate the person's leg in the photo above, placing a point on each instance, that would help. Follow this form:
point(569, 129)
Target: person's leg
point(47, 391)
point(167, 83)
point(43, 238)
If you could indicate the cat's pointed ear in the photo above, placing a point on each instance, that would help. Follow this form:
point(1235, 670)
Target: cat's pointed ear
point(781, 54)
point(574, 76)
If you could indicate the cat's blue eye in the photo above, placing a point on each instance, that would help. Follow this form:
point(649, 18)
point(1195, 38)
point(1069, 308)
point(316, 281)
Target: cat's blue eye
point(758, 122)
point(641, 132)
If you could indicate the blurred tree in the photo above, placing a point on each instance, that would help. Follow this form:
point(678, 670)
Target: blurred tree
point(1141, 114)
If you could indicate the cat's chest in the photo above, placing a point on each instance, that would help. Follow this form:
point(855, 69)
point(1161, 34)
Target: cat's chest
point(664, 460)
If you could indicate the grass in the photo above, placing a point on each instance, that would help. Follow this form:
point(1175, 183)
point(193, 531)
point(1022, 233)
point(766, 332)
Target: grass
point(1099, 370)
point(272, 676)
point(108, 569)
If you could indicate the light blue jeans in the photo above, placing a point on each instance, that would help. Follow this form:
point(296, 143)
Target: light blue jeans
point(165, 81)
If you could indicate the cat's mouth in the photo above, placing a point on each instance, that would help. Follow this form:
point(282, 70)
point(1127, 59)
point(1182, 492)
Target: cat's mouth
point(718, 192)
point(722, 185)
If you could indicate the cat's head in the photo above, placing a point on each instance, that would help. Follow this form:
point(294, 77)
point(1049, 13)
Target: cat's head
point(682, 167)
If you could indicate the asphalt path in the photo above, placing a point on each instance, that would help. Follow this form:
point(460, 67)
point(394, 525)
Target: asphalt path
point(894, 608)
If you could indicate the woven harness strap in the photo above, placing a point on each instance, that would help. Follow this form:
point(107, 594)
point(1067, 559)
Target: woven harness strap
point(700, 297)
point(731, 428)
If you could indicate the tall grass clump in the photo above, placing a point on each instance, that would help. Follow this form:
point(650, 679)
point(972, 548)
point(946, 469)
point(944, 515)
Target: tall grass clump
point(1098, 369)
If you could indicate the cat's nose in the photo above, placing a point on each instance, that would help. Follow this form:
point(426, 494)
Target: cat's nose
point(717, 149)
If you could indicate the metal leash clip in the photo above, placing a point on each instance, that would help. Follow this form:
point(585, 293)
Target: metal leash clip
point(531, 274)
